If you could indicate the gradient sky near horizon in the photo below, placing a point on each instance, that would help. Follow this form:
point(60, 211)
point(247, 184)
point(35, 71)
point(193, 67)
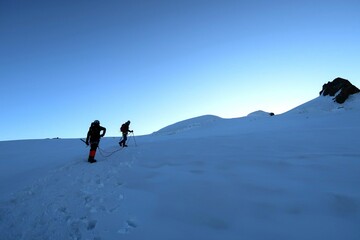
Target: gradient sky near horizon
point(66, 63)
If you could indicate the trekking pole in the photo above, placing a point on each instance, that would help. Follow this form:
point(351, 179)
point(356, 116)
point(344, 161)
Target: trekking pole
point(134, 139)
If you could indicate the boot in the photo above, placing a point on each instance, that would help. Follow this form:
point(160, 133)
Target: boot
point(91, 160)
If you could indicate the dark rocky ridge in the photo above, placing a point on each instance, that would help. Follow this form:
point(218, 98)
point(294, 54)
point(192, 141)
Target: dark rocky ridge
point(339, 84)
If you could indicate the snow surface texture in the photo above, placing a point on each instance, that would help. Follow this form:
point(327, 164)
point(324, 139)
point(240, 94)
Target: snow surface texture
point(290, 176)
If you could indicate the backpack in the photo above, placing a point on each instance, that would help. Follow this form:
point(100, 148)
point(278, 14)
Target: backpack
point(123, 128)
point(94, 131)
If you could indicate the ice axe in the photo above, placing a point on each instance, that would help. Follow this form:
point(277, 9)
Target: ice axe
point(84, 141)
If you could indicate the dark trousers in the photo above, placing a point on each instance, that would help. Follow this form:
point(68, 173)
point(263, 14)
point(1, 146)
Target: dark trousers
point(124, 138)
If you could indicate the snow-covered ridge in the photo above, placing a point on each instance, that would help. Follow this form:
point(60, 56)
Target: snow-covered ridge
point(320, 105)
point(259, 113)
point(325, 104)
point(187, 125)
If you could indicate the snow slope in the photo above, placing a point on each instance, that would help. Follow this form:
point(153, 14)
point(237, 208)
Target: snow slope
point(289, 176)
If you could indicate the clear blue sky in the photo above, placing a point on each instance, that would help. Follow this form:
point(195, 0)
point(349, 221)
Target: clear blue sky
point(66, 63)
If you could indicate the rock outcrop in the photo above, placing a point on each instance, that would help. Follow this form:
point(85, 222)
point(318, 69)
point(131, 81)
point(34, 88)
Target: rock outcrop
point(340, 88)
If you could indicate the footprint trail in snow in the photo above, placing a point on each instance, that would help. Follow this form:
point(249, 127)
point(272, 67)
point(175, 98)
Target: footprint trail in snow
point(71, 202)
